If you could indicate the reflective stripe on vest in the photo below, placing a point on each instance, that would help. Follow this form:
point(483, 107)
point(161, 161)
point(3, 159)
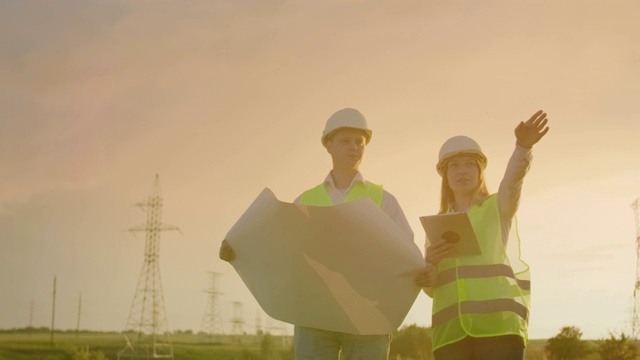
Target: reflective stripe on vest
point(479, 307)
point(479, 271)
point(318, 196)
point(482, 295)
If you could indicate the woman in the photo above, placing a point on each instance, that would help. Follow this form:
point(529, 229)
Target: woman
point(481, 302)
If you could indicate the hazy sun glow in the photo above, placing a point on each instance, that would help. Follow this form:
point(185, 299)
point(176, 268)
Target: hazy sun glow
point(222, 99)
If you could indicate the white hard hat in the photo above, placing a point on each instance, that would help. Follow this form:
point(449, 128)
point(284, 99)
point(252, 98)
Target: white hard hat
point(460, 145)
point(346, 118)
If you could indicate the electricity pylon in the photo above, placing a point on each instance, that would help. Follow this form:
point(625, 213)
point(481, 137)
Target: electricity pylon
point(237, 321)
point(146, 332)
point(212, 320)
point(277, 329)
point(259, 330)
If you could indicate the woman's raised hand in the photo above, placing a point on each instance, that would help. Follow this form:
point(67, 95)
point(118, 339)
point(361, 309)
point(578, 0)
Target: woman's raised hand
point(530, 132)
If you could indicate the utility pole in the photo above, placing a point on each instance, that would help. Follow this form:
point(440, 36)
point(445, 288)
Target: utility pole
point(635, 324)
point(31, 318)
point(79, 312)
point(53, 309)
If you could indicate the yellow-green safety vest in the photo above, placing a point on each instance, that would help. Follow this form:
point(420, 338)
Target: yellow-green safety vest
point(482, 295)
point(318, 196)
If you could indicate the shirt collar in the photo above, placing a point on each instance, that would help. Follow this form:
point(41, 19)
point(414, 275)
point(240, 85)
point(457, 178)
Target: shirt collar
point(357, 178)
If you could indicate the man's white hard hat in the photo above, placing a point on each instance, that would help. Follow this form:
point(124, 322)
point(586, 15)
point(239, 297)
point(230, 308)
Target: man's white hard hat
point(346, 118)
point(460, 145)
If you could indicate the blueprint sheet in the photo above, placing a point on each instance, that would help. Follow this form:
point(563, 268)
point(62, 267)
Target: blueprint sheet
point(346, 268)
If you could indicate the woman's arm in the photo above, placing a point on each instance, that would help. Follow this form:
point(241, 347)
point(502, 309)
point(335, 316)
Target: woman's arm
point(527, 134)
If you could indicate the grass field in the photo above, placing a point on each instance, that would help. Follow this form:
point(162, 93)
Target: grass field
point(92, 345)
point(87, 345)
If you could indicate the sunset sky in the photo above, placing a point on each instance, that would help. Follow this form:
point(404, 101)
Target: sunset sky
point(224, 98)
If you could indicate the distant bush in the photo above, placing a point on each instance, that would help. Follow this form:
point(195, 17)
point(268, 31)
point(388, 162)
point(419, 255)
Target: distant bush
point(567, 345)
point(614, 348)
point(411, 342)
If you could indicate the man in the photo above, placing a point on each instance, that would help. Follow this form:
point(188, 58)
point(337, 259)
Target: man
point(345, 137)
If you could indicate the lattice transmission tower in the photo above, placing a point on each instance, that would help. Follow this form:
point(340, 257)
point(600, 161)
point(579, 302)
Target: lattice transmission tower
point(277, 329)
point(635, 325)
point(237, 321)
point(259, 330)
point(146, 332)
point(212, 320)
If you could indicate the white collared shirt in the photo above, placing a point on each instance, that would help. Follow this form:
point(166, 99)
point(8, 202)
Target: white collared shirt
point(389, 206)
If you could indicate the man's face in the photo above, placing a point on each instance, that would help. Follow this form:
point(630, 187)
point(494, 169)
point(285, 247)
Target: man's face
point(346, 147)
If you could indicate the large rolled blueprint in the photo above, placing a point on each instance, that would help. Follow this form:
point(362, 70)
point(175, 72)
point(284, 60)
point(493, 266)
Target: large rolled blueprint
point(346, 268)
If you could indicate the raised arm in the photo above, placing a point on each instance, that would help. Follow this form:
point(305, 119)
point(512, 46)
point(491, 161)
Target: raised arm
point(527, 133)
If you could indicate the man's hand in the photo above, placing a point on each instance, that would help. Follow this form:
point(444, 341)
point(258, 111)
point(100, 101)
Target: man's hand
point(530, 132)
point(427, 277)
point(226, 251)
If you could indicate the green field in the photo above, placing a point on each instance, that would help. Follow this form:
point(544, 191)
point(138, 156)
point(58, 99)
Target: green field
point(96, 346)
point(100, 346)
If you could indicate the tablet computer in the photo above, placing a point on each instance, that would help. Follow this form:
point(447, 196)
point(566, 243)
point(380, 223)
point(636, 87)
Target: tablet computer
point(455, 228)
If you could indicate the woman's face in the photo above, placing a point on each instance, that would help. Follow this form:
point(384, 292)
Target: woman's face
point(463, 174)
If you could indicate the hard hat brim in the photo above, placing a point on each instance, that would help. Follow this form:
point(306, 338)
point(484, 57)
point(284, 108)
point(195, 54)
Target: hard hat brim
point(325, 136)
point(482, 159)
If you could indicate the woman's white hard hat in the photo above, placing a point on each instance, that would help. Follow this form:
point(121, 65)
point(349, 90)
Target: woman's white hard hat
point(346, 118)
point(460, 145)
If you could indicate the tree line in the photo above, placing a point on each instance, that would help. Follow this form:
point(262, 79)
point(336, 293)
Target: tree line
point(414, 343)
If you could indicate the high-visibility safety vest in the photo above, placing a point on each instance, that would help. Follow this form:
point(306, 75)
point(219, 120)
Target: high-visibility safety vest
point(482, 295)
point(318, 196)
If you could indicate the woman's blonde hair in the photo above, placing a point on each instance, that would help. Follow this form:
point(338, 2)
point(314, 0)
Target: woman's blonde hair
point(446, 194)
